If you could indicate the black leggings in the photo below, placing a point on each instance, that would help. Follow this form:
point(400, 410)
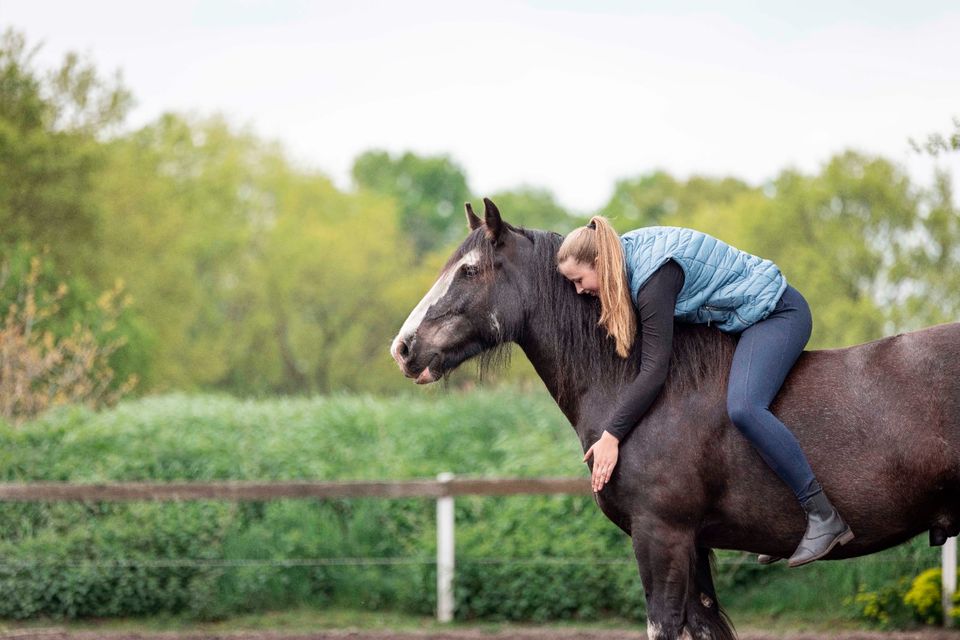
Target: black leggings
point(765, 354)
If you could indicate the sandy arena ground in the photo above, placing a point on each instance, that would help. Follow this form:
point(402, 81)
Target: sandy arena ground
point(532, 634)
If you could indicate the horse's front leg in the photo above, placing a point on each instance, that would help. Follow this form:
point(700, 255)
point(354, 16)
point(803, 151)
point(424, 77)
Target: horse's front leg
point(665, 555)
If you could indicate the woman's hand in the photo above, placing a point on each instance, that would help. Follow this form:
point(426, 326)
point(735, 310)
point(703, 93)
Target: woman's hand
point(605, 452)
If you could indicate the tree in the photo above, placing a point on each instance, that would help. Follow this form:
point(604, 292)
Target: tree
point(429, 192)
point(832, 234)
point(533, 208)
point(925, 276)
point(937, 143)
point(50, 152)
point(251, 275)
point(652, 198)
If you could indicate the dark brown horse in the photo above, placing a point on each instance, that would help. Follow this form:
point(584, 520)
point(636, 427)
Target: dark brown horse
point(880, 422)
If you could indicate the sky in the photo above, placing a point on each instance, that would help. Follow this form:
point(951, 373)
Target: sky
point(569, 96)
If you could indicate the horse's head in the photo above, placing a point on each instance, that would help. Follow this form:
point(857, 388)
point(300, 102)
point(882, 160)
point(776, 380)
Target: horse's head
point(475, 304)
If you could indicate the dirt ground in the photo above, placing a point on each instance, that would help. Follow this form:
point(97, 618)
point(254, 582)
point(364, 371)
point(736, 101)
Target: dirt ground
point(532, 634)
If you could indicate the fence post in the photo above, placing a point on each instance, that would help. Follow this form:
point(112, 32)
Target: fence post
point(949, 574)
point(445, 553)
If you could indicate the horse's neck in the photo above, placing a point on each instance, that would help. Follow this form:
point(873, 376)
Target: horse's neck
point(573, 396)
point(571, 354)
point(587, 395)
point(544, 358)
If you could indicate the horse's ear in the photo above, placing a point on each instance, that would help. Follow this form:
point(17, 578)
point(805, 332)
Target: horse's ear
point(495, 224)
point(472, 218)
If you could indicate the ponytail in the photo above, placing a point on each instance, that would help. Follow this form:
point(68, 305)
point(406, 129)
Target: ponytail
point(598, 244)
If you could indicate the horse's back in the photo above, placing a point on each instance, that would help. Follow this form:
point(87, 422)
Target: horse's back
point(902, 386)
point(880, 425)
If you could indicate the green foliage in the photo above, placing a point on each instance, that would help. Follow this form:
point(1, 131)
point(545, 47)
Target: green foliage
point(429, 192)
point(937, 143)
point(834, 236)
point(927, 266)
point(58, 341)
point(518, 558)
point(653, 198)
point(212, 559)
point(924, 597)
point(251, 274)
point(531, 208)
point(855, 591)
point(181, 438)
point(509, 570)
point(74, 560)
point(902, 600)
point(884, 607)
point(50, 153)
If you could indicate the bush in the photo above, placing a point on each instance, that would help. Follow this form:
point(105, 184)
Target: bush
point(77, 560)
point(925, 598)
point(55, 349)
point(518, 557)
point(884, 607)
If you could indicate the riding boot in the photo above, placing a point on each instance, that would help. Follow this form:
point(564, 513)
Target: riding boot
point(767, 559)
point(825, 528)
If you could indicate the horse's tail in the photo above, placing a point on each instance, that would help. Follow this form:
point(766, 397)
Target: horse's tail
point(705, 617)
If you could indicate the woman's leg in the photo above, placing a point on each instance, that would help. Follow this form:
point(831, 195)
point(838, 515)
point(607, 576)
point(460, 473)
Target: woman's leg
point(764, 356)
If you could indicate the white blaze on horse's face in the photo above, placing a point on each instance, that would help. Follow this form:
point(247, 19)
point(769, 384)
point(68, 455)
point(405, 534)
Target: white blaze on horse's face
point(434, 295)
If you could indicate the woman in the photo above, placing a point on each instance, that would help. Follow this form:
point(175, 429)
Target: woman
point(677, 272)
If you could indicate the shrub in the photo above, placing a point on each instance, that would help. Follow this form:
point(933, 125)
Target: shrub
point(54, 354)
point(883, 607)
point(925, 598)
point(518, 557)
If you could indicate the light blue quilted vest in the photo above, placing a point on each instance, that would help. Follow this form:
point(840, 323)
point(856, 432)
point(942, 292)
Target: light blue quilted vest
point(722, 285)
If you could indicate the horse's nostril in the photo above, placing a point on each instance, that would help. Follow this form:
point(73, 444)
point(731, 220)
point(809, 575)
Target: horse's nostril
point(403, 349)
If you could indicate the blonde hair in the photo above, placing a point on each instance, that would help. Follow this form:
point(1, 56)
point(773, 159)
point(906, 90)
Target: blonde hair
point(598, 245)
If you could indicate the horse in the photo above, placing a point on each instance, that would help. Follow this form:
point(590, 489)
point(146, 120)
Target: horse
point(879, 422)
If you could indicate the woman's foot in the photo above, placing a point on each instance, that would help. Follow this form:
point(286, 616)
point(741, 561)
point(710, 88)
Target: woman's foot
point(825, 529)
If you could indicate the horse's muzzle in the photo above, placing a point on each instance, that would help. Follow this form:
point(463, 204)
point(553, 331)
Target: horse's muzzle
point(406, 358)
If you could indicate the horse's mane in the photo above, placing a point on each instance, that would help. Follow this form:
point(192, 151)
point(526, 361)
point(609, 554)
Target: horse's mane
point(583, 349)
point(700, 354)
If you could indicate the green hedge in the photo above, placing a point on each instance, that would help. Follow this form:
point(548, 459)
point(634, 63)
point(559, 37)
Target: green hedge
point(518, 558)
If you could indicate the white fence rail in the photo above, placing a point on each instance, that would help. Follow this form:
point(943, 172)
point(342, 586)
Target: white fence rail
point(949, 567)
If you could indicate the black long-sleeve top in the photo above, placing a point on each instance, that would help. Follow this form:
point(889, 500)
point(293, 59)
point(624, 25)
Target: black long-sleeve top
point(656, 302)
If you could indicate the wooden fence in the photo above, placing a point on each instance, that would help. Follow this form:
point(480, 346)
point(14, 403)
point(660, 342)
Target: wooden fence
point(444, 489)
point(124, 491)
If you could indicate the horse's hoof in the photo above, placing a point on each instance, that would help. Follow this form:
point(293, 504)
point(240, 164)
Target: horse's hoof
point(765, 559)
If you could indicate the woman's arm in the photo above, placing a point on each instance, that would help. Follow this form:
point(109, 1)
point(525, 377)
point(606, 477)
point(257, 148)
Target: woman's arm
point(656, 302)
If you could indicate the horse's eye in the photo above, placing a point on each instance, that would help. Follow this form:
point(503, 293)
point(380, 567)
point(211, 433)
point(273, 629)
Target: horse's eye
point(470, 270)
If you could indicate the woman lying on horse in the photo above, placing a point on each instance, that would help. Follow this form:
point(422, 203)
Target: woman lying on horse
point(672, 272)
